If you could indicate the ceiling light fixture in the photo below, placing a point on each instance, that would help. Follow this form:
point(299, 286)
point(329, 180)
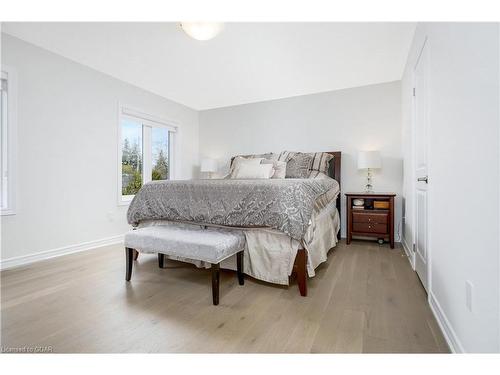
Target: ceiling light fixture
point(202, 30)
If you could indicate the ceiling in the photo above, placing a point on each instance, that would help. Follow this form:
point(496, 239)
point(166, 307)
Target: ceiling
point(247, 62)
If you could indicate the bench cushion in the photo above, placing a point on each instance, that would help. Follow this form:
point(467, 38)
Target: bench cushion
point(210, 245)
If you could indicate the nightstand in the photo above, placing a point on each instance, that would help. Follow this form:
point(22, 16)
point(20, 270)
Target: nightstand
point(369, 221)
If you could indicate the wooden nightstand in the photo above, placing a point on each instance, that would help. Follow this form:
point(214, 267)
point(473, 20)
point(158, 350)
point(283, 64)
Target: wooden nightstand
point(369, 221)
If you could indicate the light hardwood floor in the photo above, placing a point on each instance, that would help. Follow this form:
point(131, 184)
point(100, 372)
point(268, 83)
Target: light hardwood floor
point(365, 298)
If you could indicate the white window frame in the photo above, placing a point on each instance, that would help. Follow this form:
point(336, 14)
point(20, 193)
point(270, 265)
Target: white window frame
point(148, 122)
point(9, 144)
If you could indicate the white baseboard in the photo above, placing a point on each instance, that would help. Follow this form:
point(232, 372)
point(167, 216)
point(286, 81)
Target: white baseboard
point(31, 258)
point(409, 253)
point(443, 322)
point(448, 331)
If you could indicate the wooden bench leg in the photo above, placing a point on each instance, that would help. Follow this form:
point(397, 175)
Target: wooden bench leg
point(136, 254)
point(302, 271)
point(239, 265)
point(161, 260)
point(215, 283)
point(129, 255)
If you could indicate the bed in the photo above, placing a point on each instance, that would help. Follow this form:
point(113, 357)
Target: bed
point(289, 224)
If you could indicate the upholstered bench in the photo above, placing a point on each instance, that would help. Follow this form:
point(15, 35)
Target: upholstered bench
point(210, 245)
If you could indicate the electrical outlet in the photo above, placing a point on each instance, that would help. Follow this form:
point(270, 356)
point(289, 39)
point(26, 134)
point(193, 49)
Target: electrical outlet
point(469, 288)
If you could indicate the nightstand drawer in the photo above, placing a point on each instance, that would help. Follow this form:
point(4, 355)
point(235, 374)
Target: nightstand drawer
point(373, 218)
point(369, 228)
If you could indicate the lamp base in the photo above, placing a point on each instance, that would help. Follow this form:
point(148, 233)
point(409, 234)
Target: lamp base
point(368, 186)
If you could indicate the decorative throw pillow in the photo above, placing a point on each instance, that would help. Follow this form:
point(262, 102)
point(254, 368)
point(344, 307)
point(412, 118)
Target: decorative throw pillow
point(269, 156)
point(298, 166)
point(278, 166)
point(320, 162)
point(285, 155)
point(254, 171)
point(239, 161)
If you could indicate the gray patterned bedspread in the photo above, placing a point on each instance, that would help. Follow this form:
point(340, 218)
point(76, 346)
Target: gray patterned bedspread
point(282, 204)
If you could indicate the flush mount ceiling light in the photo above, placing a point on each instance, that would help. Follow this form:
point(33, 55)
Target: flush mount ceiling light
point(202, 30)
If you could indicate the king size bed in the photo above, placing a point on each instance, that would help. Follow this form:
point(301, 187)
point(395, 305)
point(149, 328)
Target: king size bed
point(289, 224)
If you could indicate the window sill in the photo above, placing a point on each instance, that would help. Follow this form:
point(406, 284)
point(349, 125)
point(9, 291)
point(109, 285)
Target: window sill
point(125, 200)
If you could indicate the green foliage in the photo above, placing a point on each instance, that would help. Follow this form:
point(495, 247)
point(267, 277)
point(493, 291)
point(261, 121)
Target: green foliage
point(132, 168)
point(134, 181)
point(131, 155)
point(160, 169)
point(156, 175)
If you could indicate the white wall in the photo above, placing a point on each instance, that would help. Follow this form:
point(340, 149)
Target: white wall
point(463, 177)
point(348, 120)
point(67, 150)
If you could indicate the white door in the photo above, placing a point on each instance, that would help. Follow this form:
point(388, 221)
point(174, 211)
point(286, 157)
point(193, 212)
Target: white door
point(421, 181)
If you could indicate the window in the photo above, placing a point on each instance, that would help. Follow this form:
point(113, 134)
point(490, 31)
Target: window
point(131, 156)
point(145, 151)
point(8, 141)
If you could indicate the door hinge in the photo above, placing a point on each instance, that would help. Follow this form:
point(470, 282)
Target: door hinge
point(414, 91)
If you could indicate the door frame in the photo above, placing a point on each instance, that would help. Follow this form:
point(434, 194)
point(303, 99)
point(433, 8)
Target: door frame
point(424, 44)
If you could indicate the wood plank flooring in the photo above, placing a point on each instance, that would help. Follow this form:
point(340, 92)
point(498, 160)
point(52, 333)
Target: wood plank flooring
point(364, 299)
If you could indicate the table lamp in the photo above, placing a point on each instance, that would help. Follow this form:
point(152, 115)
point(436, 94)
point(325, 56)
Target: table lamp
point(369, 160)
point(209, 166)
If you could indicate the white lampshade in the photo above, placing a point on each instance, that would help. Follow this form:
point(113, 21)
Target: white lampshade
point(209, 165)
point(202, 30)
point(369, 159)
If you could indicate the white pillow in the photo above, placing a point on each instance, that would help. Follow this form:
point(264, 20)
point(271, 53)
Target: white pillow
point(278, 166)
point(239, 161)
point(253, 171)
